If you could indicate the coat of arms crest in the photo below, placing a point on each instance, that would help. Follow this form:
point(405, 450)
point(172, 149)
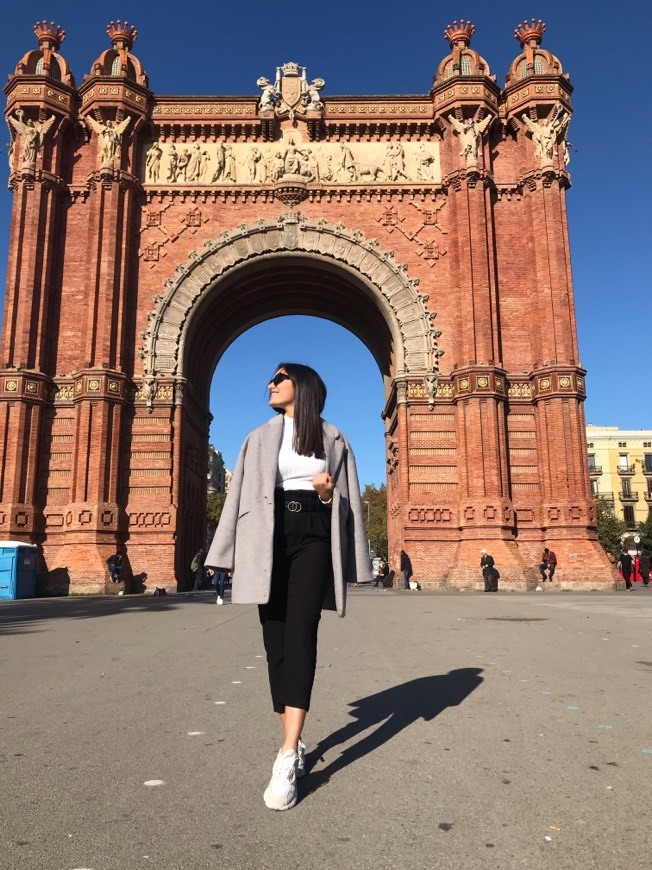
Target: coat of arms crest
point(291, 93)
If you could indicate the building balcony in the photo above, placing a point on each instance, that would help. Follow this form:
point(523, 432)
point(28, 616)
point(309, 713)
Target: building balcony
point(595, 470)
point(648, 498)
point(647, 471)
point(628, 497)
point(626, 470)
point(607, 497)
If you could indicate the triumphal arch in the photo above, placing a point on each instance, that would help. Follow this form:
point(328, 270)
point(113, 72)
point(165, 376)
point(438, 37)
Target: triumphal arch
point(148, 232)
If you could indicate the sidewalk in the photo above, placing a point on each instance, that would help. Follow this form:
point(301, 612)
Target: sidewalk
point(448, 730)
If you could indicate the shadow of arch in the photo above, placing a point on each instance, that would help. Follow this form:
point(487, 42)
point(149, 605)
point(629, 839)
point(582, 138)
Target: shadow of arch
point(289, 266)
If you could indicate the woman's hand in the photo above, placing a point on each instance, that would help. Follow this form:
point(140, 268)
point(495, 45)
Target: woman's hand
point(324, 485)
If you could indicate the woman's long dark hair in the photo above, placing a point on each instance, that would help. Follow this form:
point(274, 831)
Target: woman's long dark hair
point(310, 398)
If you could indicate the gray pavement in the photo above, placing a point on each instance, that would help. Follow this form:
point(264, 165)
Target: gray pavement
point(448, 730)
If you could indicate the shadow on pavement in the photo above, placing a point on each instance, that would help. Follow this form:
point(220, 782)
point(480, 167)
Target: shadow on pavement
point(392, 710)
point(26, 615)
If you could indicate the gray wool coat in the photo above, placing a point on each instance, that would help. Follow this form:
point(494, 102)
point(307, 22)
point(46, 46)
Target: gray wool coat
point(244, 540)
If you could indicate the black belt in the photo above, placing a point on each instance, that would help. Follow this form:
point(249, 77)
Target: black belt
point(296, 501)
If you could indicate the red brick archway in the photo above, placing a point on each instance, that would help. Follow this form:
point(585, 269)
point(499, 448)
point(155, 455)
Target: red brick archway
point(148, 232)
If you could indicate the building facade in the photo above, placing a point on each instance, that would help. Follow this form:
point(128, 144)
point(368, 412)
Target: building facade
point(620, 468)
point(217, 472)
point(148, 232)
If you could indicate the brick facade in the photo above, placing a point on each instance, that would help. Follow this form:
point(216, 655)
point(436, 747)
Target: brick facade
point(148, 232)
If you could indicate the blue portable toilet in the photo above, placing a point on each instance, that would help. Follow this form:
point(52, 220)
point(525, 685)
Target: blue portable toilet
point(17, 569)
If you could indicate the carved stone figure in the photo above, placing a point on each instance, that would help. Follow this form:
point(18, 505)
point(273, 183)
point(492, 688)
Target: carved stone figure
point(470, 135)
point(252, 159)
point(425, 164)
point(194, 163)
point(219, 169)
point(544, 135)
point(31, 134)
point(150, 387)
point(269, 97)
point(430, 383)
point(229, 164)
point(153, 162)
point(110, 136)
point(173, 167)
point(395, 161)
point(276, 166)
point(182, 165)
point(292, 159)
point(203, 165)
point(312, 97)
point(347, 169)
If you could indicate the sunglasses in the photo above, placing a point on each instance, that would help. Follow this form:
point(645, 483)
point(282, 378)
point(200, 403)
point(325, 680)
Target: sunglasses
point(279, 378)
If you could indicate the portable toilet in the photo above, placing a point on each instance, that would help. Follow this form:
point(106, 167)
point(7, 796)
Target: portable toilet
point(17, 569)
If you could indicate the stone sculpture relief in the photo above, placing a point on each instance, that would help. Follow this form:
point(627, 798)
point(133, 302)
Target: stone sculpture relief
point(291, 93)
point(470, 133)
point(546, 134)
point(32, 133)
point(219, 163)
point(110, 136)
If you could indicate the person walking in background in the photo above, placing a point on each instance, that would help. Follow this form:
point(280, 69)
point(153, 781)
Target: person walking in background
point(219, 579)
point(489, 572)
point(549, 563)
point(197, 568)
point(625, 563)
point(292, 533)
point(406, 569)
point(114, 563)
point(383, 571)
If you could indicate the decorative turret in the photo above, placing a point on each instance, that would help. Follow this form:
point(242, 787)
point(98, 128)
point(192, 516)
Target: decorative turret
point(534, 61)
point(118, 61)
point(45, 61)
point(463, 60)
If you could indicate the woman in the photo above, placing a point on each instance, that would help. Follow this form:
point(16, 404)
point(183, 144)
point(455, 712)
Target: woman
point(292, 532)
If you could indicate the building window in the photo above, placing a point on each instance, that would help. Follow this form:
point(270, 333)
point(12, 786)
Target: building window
point(591, 461)
point(590, 445)
point(594, 487)
point(622, 460)
point(627, 487)
point(628, 514)
point(466, 65)
point(538, 65)
point(647, 444)
point(647, 459)
point(649, 488)
point(622, 444)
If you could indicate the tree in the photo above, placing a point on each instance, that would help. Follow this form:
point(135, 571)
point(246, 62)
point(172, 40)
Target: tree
point(610, 529)
point(214, 506)
point(374, 505)
point(645, 531)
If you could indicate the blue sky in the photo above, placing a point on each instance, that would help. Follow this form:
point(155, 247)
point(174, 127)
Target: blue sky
point(370, 47)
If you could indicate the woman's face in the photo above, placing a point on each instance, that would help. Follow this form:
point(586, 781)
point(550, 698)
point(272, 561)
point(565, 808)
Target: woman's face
point(282, 393)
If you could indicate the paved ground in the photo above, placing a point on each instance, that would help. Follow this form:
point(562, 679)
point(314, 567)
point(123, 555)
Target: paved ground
point(449, 730)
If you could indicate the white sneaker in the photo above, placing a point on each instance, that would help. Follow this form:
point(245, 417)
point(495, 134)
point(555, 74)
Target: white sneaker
point(539, 589)
point(219, 600)
point(281, 793)
point(301, 759)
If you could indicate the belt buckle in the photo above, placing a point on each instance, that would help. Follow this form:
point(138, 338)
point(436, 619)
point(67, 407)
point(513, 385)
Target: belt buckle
point(294, 507)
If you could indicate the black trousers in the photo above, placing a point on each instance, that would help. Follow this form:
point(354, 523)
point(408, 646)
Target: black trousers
point(301, 572)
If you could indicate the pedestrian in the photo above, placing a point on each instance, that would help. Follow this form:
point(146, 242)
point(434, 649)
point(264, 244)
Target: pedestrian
point(489, 572)
point(292, 533)
point(625, 563)
point(406, 568)
point(114, 563)
point(383, 571)
point(549, 563)
point(197, 568)
point(219, 579)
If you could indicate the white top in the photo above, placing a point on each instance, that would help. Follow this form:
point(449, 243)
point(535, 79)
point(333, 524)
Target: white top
point(294, 471)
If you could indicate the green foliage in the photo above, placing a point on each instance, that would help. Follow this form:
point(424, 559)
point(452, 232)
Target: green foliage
point(374, 505)
point(645, 531)
point(214, 506)
point(610, 529)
